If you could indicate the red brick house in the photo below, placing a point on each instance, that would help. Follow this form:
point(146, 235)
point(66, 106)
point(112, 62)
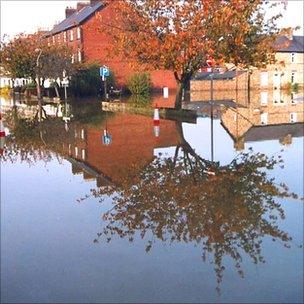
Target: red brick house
point(79, 30)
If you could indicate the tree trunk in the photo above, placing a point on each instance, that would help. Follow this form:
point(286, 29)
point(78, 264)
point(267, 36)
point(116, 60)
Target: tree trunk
point(178, 97)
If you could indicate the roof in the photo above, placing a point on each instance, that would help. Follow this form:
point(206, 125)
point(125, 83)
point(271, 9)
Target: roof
point(217, 76)
point(75, 19)
point(270, 132)
point(286, 45)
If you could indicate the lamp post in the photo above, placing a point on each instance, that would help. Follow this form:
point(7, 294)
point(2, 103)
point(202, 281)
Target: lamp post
point(38, 85)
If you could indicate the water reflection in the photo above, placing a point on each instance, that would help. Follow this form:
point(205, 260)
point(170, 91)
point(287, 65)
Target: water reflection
point(228, 210)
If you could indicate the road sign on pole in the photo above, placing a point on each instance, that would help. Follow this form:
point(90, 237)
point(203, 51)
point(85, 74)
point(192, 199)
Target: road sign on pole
point(104, 71)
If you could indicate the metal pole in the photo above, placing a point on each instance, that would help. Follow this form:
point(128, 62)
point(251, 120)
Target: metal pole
point(211, 116)
point(38, 88)
point(65, 92)
point(105, 88)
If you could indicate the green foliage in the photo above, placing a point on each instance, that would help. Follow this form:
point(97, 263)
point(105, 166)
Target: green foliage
point(140, 101)
point(292, 87)
point(86, 81)
point(140, 84)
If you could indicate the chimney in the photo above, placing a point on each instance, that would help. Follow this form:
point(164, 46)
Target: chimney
point(94, 2)
point(81, 5)
point(69, 11)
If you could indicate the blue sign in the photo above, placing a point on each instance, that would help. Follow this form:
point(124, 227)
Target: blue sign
point(104, 71)
point(106, 138)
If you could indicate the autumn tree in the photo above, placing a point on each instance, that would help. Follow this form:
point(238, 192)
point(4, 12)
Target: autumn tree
point(26, 56)
point(180, 35)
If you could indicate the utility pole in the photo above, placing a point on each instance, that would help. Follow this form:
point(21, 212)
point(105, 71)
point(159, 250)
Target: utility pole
point(211, 116)
point(38, 86)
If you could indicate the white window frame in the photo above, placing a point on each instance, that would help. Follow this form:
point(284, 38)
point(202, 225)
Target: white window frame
point(65, 36)
point(293, 117)
point(79, 56)
point(71, 35)
point(264, 98)
point(76, 152)
point(264, 79)
point(78, 33)
point(73, 58)
point(83, 154)
point(264, 118)
point(53, 39)
point(293, 57)
point(292, 78)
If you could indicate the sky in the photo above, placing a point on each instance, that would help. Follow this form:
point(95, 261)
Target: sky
point(27, 16)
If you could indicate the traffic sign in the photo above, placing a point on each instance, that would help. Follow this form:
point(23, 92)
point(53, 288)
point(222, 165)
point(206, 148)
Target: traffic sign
point(104, 71)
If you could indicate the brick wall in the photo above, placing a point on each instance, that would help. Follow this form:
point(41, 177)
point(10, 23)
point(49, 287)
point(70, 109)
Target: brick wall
point(95, 46)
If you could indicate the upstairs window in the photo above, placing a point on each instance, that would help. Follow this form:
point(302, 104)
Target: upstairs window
point(71, 35)
point(264, 79)
point(64, 36)
point(53, 39)
point(78, 33)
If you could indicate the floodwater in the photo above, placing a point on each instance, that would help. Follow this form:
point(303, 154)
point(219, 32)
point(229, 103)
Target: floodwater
point(112, 207)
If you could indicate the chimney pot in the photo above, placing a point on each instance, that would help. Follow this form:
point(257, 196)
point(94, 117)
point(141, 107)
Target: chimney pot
point(69, 11)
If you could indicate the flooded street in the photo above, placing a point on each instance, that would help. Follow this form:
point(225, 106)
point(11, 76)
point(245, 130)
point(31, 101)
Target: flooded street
point(110, 207)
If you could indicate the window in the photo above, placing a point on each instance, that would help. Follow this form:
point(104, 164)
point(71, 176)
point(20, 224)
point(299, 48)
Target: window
point(293, 117)
point(71, 35)
point(58, 38)
point(264, 79)
point(264, 118)
point(76, 152)
point(79, 56)
point(73, 58)
point(293, 77)
point(264, 98)
point(53, 39)
point(276, 81)
point(64, 36)
point(78, 33)
point(83, 154)
point(82, 134)
point(292, 98)
point(276, 97)
point(292, 57)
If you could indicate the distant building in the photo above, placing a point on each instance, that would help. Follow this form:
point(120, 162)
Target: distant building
point(287, 71)
point(82, 30)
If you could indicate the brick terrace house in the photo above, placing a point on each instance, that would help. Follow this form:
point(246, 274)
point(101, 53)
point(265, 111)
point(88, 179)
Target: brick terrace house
point(79, 30)
point(288, 69)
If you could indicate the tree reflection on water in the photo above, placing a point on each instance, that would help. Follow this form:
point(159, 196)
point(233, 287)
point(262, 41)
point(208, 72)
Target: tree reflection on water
point(227, 210)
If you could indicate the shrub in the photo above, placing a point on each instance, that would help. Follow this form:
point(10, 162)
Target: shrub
point(140, 101)
point(140, 84)
point(86, 81)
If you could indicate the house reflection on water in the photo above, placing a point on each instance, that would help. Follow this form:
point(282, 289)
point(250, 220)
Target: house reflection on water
point(135, 141)
point(132, 146)
point(267, 115)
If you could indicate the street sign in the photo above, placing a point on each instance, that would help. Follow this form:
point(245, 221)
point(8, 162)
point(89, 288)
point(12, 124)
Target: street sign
point(106, 138)
point(104, 71)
